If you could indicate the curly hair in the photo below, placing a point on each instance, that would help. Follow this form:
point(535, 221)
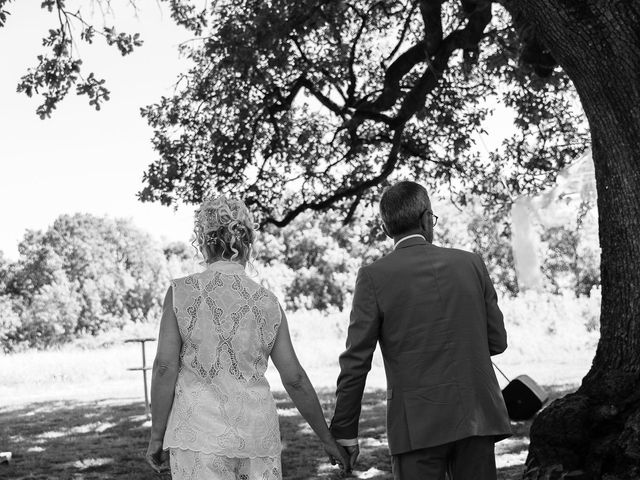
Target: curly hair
point(224, 229)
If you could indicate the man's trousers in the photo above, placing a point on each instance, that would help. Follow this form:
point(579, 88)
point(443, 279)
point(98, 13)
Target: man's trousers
point(470, 458)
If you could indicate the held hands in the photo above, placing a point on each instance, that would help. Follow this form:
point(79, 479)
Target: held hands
point(156, 457)
point(353, 451)
point(338, 455)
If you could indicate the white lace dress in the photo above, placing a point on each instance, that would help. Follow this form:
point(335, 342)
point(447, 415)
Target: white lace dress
point(223, 423)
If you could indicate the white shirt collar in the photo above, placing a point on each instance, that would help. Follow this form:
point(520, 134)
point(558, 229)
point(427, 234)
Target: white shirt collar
point(415, 235)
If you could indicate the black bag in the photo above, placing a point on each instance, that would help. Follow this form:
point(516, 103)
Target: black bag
point(524, 398)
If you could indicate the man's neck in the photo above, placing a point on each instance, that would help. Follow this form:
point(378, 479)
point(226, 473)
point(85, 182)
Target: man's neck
point(397, 238)
point(400, 239)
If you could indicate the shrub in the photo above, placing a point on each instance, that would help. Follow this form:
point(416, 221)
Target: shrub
point(544, 326)
point(319, 258)
point(52, 315)
point(9, 322)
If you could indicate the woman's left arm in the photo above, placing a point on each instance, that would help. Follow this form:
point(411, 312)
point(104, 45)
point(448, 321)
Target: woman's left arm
point(163, 381)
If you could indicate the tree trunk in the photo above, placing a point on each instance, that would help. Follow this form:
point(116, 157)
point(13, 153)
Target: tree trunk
point(595, 432)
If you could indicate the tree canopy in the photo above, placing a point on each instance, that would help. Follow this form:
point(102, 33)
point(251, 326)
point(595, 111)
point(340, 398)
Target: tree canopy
point(318, 102)
point(315, 104)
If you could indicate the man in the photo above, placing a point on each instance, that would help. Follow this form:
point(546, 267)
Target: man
point(435, 313)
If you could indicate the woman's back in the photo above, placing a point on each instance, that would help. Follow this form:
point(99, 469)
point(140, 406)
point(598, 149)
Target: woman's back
point(223, 405)
point(211, 404)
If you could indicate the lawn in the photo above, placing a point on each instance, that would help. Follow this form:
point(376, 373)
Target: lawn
point(104, 439)
point(77, 413)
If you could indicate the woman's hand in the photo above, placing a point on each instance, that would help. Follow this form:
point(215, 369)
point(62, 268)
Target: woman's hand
point(156, 457)
point(337, 454)
point(353, 451)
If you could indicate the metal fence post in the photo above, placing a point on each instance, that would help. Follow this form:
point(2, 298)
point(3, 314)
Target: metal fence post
point(144, 369)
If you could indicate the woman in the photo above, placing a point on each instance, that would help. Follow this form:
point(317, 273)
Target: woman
point(211, 404)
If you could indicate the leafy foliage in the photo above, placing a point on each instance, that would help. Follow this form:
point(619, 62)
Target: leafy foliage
point(10, 323)
point(491, 239)
point(572, 257)
point(314, 260)
point(4, 271)
point(52, 315)
point(485, 233)
point(83, 275)
point(59, 70)
point(180, 250)
point(3, 12)
point(313, 105)
point(87, 274)
point(319, 260)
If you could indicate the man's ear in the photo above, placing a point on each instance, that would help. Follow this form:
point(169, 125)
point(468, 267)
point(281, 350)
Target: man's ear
point(425, 221)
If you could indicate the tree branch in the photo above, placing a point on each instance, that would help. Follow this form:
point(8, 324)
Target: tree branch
point(284, 103)
point(352, 56)
point(345, 192)
point(322, 98)
point(431, 11)
point(403, 33)
point(335, 83)
point(468, 37)
point(352, 209)
point(392, 77)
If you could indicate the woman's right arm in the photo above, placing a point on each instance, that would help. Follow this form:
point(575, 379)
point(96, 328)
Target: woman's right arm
point(304, 397)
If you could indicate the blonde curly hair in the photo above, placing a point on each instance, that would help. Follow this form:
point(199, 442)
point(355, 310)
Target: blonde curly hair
point(224, 230)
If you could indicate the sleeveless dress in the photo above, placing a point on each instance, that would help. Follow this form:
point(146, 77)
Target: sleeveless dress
point(223, 423)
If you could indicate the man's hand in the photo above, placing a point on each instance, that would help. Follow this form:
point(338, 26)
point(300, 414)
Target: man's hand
point(353, 451)
point(156, 457)
point(337, 454)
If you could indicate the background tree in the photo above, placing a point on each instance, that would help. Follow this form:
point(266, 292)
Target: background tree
point(325, 100)
point(4, 271)
point(316, 259)
point(83, 275)
point(570, 261)
point(180, 250)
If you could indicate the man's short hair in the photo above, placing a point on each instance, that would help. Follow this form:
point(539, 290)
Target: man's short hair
point(401, 206)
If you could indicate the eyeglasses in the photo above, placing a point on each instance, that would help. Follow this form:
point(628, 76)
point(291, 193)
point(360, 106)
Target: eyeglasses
point(434, 218)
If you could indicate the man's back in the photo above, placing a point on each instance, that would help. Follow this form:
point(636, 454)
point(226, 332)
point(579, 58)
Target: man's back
point(439, 327)
point(434, 312)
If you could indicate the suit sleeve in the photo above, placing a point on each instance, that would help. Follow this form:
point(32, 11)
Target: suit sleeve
point(495, 321)
point(355, 362)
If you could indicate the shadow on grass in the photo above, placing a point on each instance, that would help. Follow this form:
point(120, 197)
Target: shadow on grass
point(106, 439)
point(76, 440)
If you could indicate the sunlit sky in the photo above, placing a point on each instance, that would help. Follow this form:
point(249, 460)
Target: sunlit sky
point(81, 160)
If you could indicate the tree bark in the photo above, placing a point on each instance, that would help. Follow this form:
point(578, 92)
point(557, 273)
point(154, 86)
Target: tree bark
point(595, 432)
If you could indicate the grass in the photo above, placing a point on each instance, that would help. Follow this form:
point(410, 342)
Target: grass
point(77, 413)
point(551, 338)
point(105, 439)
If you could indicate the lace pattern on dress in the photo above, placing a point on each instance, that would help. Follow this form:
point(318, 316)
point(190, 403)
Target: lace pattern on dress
point(222, 403)
point(188, 465)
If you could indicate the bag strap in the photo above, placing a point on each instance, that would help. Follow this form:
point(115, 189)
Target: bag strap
point(501, 372)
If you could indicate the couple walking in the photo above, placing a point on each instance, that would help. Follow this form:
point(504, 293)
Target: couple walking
point(432, 310)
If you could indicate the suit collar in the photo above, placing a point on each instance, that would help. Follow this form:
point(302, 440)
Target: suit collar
point(410, 241)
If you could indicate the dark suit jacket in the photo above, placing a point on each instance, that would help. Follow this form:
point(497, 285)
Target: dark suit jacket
point(435, 313)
